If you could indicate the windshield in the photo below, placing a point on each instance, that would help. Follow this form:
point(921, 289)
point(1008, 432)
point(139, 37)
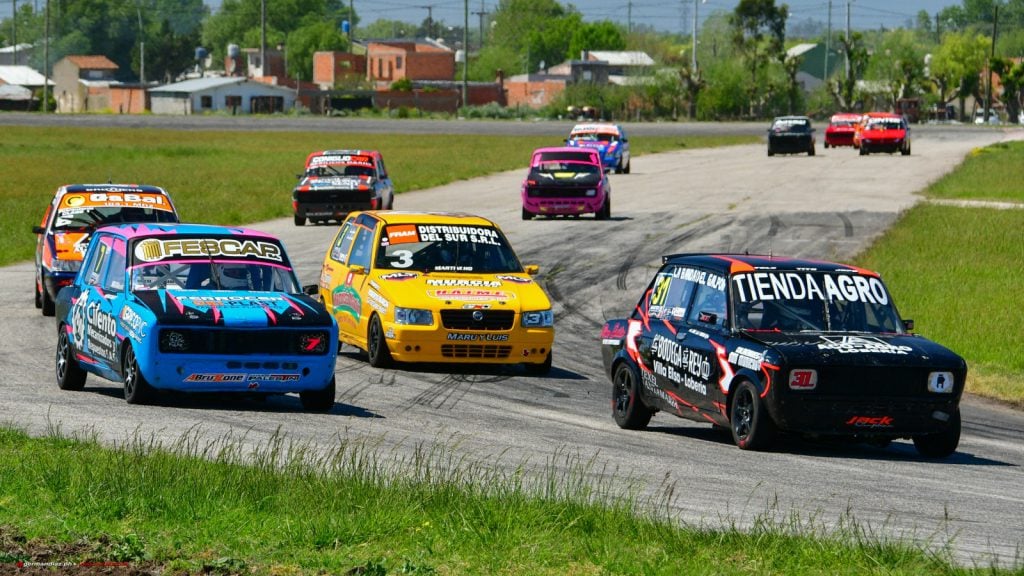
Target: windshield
point(214, 275)
point(813, 302)
point(885, 124)
point(567, 169)
point(83, 218)
point(451, 248)
point(791, 126)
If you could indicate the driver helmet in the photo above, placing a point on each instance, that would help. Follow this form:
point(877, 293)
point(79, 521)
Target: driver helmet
point(233, 277)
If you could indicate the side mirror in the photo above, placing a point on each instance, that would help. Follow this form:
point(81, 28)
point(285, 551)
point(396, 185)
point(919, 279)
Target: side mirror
point(311, 289)
point(357, 269)
point(532, 269)
point(908, 325)
point(38, 230)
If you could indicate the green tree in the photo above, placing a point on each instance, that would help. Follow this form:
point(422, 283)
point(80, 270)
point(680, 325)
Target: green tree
point(898, 62)
point(957, 64)
point(844, 89)
point(603, 35)
point(1011, 76)
point(304, 41)
point(384, 28)
point(759, 34)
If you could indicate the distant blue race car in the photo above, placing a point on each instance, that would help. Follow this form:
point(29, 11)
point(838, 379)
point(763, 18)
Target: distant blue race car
point(194, 308)
point(609, 140)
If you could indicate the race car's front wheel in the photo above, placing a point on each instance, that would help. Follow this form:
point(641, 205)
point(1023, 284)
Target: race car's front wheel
point(376, 347)
point(527, 215)
point(606, 209)
point(319, 400)
point(540, 369)
point(940, 444)
point(70, 375)
point(39, 298)
point(136, 389)
point(752, 426)
point(628, 408)
point(627, 168)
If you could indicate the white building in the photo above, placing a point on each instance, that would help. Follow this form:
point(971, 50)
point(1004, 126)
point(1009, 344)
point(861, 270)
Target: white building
point(224, 94)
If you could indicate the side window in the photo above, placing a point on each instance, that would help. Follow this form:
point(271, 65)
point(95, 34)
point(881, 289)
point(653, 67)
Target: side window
point(708, 300)
point(99, 258)
point(342, 242)
point(670, 294)
point(113, 277)
point(382, 172)
point(362, 248)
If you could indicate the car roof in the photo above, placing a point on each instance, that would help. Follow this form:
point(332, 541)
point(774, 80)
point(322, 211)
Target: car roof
point(138, 230)
point(403, 217)
point(791, 117)
point(572, 149)
point(118, 188)
point(599, 127)
point(735, 263)
point(845, 117)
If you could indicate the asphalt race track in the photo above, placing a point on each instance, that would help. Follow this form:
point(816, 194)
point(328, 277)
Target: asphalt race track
point(730, 199)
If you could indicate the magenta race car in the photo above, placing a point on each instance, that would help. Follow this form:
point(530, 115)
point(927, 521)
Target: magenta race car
point(566, 181)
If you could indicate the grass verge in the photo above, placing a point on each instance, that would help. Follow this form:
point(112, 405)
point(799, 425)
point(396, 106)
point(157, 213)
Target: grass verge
point(219, 507)
point(220, 177)
point(957, 271)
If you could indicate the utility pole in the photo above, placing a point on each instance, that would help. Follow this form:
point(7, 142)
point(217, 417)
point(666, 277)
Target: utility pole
point(988, 90)
point(629, 17)
point(142, 48)
point(694, 60)
point(465, 53)
point(263, 37)
point(14, 30)
point(482, 14)
point(430, 19)
point(46, 60)
point(828, 41)
point(351, 24)
point(848, 40)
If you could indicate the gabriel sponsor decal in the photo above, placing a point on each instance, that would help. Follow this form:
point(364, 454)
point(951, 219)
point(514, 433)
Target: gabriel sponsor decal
point(474, 234)
point(861, 345)
point(470, 294)
point(399, 276)
point(804, 286)
point(153, 249)
point(196, 377)
point(131, 200)
point(273, 378)
point(463, 282)
point(514, 279)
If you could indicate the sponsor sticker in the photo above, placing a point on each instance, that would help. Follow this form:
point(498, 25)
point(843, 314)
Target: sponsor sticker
point(154, 249)
point(469, 295)
point(402, 234)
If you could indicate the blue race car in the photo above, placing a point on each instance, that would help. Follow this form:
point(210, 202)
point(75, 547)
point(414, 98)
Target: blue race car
point(194, 308)
point(609, 140)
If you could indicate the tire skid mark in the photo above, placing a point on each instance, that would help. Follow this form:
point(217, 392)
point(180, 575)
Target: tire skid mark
point(445, 393)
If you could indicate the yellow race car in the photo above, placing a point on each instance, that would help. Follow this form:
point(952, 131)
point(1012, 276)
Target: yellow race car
point(435, 287)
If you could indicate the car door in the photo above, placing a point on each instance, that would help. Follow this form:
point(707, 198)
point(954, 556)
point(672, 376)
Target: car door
point(706, 340)
point(93, 321)
point(344, 274)
point(661, 336)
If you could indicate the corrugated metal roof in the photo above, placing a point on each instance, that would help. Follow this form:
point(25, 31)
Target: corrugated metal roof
point(22, 76)
point(11, 92)
point(200, 84)
point(622, 58)
point(799, 50)
point(10, 49)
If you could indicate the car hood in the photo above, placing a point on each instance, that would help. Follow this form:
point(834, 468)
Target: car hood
point(234, 309)
point(515, 291)
point(848, 349)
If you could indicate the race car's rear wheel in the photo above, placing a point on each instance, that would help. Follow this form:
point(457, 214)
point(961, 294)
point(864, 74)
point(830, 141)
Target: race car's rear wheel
point(540, 369)
point(39, 297)
point(47, 304)
point(940, 444)
point(863, 150)
point(300, 220)
point(319, 400)
point(810, 151)
point(136, 389)
point(752, 426)
point(70, 375)
point(606, 209)
point(376, 347)
point(627, 168)
point(628, 408)
point(527, 215)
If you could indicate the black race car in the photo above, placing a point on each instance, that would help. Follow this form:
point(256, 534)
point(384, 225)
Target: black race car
point(791, 135)
point(762, 344)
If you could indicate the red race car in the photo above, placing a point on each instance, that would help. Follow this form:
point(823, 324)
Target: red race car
point(840, 129)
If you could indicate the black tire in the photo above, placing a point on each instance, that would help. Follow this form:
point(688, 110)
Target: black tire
point(628, 408)
point(539, 369)
point(863, 151)
point(810, 152)
point(826, 145)
point(606, 209)
point(319, 400)
point(905, 151)
point(752, 426)
point(136, 389)
point(940, 444)
point(39, 297)
point(527, 215)
point(376, 346)
point(771, 152)
point(300, 220)
point(627, 168)
point(70, 375)
point(618, 167)
point(47, 303)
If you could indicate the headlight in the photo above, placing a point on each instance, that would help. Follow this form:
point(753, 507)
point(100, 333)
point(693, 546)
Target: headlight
point(538, 319)
point(413, 316)
point(174, 341)
point(591, 192)
point(941, 382)
point(59, 265)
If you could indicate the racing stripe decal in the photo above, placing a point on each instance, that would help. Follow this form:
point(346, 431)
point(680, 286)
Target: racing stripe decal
point(270, 315)
point(725, 382)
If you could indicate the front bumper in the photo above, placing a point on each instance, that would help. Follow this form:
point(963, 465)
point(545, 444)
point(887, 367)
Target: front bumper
point(862, 416)
point(437, 344)
point(558, 206)
point(205, 373)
